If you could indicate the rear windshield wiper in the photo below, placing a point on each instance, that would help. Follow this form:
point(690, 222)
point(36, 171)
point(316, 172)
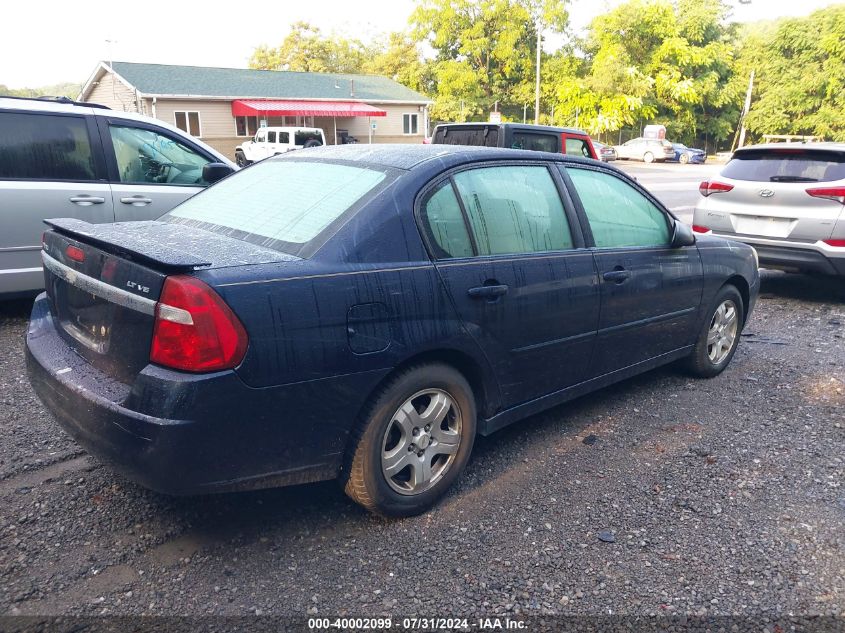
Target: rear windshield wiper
point(792, 179)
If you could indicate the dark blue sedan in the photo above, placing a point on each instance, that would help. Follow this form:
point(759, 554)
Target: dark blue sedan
point(684, 154)
point(362, 312)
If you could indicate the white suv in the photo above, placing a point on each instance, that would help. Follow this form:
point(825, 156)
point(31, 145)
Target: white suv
point(270, 141)
point(787, 200)
point(59, 159)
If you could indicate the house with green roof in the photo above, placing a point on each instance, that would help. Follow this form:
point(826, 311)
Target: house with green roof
point(224, 106)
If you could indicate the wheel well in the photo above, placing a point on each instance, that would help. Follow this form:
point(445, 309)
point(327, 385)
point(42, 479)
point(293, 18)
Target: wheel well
point(740, 284)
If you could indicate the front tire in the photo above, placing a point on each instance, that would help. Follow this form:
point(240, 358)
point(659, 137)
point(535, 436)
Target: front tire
point(240, 159)
point(683, 159)
point(719, 336)
point(413, 441)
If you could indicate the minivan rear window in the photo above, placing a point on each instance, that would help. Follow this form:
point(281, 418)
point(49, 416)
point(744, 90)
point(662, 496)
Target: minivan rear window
point(786, 165)
point(280, 204)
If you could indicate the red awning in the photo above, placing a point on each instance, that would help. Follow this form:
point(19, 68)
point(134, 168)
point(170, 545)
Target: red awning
point(256, 107)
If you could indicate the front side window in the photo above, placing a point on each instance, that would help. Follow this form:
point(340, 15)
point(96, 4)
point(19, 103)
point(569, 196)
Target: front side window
point(188, 122)
point(513, 209)
point(577, 147)
point(279, 204)
point(410, 123)
point(442, 214)
point(145, 156)
point(45, 147)
point(619, 215)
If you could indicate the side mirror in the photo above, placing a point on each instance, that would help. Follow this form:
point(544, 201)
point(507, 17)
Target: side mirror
point(212, 172)
point(682, 235)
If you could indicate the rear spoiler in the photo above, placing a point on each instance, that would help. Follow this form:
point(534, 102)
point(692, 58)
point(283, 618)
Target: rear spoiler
point(141, 241)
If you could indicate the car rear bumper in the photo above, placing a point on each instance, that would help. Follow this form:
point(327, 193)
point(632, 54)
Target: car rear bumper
point(183, 433)
point(816, 257)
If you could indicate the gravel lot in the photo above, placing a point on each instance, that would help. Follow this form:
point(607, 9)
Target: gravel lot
point(722, 496)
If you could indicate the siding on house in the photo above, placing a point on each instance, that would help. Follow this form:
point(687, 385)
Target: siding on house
point(113, 93)
point(216, 120)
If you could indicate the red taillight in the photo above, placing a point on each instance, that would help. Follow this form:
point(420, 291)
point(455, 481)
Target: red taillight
point(75, 253)
point(831, 193)
point(700, 229)
point(194, 329)
point(836, 243)
point(713, 186)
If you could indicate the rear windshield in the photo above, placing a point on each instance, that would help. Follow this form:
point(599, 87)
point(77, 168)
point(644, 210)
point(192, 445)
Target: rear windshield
point(486, 136)
point(280, 204)
point(786, 165)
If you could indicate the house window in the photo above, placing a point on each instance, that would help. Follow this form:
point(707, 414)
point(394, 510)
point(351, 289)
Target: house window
point(410, 123)
point(188, 122)
point(246, 125)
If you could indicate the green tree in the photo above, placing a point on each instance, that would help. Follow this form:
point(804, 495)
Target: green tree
point(799, 66)
point(484, 51)
point(306, 49)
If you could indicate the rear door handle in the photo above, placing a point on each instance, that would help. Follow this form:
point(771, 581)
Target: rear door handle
point(85, 200)
point(619, 276)
point(487, 292)
point(136, 201)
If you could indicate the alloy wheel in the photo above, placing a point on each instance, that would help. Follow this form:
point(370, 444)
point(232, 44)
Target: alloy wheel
point(421, 441)
point(722, 333)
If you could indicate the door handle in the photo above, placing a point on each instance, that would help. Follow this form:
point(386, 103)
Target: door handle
point(85, 200)
point(136, 201)
point(487, 292)
point(618, 275)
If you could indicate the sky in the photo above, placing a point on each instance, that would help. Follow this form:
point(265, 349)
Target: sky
point(66, 46)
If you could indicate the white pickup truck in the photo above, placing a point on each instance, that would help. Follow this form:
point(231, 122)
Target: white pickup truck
point(269, 141)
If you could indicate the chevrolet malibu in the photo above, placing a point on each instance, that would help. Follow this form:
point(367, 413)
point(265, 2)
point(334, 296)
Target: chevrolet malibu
point(362, 312)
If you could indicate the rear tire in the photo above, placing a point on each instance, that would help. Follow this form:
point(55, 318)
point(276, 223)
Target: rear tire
point(719, 336)
point(413, 441)
point(648, 157)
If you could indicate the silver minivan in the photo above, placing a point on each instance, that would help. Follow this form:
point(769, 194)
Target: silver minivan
point(787, 200)
point(59, 158)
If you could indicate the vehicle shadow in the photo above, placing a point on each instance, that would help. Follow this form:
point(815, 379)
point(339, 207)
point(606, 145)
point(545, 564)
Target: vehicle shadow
point(816, 288)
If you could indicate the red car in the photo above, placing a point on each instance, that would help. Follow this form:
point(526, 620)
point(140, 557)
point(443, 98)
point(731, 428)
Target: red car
point(543, 138)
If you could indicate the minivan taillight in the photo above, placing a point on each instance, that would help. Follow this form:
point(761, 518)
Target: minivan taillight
point(194, 329)
point(709, 187)
point(831, 193)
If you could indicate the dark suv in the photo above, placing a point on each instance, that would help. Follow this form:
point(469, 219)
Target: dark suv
point(542, 138)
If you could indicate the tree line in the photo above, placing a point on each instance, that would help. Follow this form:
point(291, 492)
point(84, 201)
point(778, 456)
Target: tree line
point(682, 63)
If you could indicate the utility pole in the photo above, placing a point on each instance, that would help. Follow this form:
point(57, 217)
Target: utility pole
point(524, 112)
point(746, 108)
point(537, 85)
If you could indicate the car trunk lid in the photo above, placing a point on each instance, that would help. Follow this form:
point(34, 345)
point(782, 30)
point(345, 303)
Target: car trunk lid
point(104, 282)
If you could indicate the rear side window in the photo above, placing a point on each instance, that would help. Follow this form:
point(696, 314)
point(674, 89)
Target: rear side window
point(486, 136)
point(302, 137)
point(45, 147)
point(786, 165)
point(279, 204)
point(513, 209)
point(619, 215)
point(536, 142)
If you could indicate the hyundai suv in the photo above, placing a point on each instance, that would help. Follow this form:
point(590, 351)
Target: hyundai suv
point(59, 158)
point(786, 200)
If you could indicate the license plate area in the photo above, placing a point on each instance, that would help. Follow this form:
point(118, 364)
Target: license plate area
point(85, 317)
point(762, 225)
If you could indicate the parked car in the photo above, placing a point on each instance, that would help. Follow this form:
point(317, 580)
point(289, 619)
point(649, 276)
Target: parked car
point(787, 200)
point(685, 155)
point(645, 149)
point(270, 141)
point(362, 312)
point(606, 152)
point(541, 138)
point(82, 160)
